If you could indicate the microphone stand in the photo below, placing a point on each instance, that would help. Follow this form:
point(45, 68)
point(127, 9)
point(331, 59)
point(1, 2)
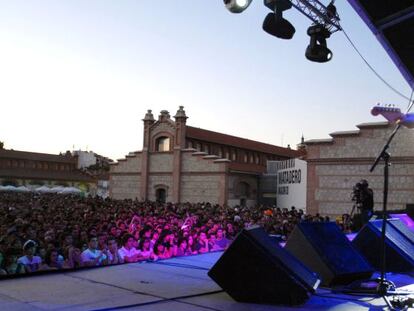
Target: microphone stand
point(383, 288)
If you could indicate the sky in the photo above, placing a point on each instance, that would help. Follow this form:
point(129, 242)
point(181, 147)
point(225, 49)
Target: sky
point(82, 74)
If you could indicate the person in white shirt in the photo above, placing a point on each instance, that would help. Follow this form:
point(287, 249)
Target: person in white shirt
point(92, 256)
point(30, 261)
point(128, 252)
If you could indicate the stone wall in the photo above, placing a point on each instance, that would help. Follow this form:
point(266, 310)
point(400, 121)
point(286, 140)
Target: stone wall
point(369, 142)
point(202, 179)
point(161, 162)
point(160, 181)
point(336, 183)
point(198, 163)
point(125, 179)
point(335, 167)
point(234, 194)
point(127, 165)
point(125, 186)
point(201, 188)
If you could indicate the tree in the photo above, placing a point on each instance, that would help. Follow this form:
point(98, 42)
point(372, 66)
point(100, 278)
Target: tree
point(1, 145)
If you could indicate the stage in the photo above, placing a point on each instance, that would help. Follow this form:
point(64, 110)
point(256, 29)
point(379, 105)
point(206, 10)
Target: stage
point(177, 284)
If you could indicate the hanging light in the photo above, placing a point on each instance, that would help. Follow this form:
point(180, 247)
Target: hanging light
point(274, 23)
point(317, 50)
point(237, 6)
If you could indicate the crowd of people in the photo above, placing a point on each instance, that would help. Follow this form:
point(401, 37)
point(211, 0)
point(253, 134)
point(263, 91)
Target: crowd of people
point(41, 232)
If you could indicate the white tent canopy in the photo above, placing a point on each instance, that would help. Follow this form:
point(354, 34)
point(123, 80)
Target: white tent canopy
point(57, 189)
point(43, 189)
point(8, 188)
point(22, 189)
point(69, 190)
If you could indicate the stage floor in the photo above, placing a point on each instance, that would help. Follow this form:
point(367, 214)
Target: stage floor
point(177, 284)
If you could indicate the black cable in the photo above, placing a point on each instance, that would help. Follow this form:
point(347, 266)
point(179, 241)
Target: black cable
point(115, 286)
point(410, 102)
point(162, 299)
point(168, 299)
point(372, 68)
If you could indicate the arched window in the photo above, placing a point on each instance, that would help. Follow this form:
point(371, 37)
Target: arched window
point(243, 189)
point(163, 144)
point(161, 195)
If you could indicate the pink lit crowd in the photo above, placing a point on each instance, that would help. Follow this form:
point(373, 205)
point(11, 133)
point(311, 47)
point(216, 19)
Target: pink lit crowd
point(41, 232)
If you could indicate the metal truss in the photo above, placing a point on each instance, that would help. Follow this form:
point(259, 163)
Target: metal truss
point(318, 13)
point(315, 11)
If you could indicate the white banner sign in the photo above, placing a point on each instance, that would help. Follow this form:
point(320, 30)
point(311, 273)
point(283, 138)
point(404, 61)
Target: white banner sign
point(291, 183)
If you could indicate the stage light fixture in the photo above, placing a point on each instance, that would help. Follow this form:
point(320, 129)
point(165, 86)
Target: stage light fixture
point(274, 23)
point(237, 6)
point(317, 50)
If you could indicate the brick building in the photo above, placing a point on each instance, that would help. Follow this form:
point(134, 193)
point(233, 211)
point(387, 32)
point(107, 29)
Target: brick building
point(32, 168)
point(180, 163)
point(336, 164)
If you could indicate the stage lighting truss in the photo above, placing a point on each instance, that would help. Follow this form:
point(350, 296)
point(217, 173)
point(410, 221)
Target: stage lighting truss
point(318, 13)
point(315, 11)
point(322, 16)
point(312, 9)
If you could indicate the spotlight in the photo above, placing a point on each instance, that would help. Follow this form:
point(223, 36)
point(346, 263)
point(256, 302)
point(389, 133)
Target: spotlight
point(317, 50)
point(237, 6)
point(274, 23)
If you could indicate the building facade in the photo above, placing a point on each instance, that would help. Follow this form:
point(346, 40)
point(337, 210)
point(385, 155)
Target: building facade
point(96, 167)
point(180, 163)
point(19, 168)
point(336, 164)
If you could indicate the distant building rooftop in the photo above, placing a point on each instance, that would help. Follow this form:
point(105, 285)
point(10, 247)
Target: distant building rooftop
point(32, 165)
point(224, 139)
point(25, 155)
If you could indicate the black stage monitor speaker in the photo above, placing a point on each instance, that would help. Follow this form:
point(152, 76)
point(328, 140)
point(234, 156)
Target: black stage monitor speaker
point(399, 245)
point(256, 270)
point(327, 251)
